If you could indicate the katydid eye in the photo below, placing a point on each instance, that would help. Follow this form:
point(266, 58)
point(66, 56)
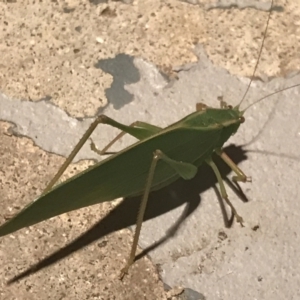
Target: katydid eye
point(242, 120)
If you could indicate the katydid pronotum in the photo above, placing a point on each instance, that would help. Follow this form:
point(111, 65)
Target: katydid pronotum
point(152, 163)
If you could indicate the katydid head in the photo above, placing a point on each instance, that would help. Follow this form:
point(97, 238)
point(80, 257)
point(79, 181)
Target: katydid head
point(228, 119)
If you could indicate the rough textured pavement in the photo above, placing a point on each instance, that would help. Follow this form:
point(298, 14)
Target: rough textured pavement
point(259, 261)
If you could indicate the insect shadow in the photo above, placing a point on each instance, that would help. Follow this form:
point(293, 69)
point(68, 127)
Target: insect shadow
point(159, 203)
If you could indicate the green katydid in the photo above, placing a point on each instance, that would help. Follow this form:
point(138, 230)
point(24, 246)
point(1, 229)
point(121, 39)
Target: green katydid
point(160, 157)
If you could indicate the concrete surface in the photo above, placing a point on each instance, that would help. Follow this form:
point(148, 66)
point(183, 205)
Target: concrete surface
point(259, 261)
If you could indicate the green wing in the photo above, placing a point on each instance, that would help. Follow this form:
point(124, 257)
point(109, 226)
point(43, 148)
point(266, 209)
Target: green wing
point(121, 175)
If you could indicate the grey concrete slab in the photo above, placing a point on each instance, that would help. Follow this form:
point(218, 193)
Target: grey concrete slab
point(259, 261)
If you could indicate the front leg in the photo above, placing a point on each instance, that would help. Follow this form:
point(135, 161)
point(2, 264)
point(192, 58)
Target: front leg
point(240, 175)
point(223, 192)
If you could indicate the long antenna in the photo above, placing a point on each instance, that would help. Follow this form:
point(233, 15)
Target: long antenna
point(259, 54)
point(269, 95)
